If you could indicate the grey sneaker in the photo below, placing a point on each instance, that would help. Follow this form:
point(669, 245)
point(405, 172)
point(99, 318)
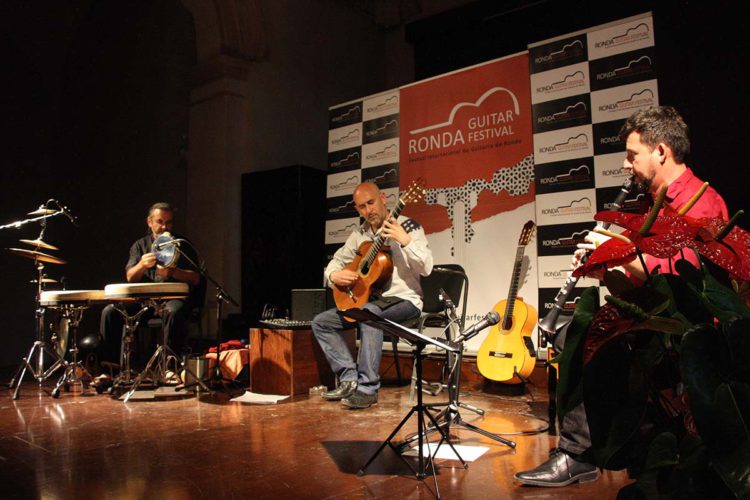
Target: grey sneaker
point(359, 400)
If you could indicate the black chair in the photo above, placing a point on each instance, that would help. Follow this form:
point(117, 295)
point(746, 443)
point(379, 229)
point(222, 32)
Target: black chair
point(447, 281)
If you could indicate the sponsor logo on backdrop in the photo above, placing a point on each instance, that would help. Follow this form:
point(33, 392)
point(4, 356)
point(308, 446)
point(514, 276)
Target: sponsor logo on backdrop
point(561, 113)
point(341, 207)
point(634, 67)
point(620, 102)
point(380, 129)
point(579, 142)
point(625, 37)
point(571, 81)
point(344, 137)
point(561, 239)
point(575, 207)
point(345, 115)
point(342, 184)
point(385, 176)
point(345, 161)
point(381, 105)
point(566, 207)
point(577, 174)
point(565, 175)
point(547, 299)
point(556, 55)
point(564, 144)
point(608, 169)
point(380, 153)
point(555, 269)
point(634, 203)
point(639, 32)
point(470, 127)
point(338, 230)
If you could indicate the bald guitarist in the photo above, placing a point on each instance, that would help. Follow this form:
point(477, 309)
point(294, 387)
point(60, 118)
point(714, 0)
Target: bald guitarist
point(399, 299)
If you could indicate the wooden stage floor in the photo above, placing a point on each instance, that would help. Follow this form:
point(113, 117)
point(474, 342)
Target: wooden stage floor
point(95, 446)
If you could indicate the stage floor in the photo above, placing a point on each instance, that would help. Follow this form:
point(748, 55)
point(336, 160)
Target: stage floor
point(95, 446)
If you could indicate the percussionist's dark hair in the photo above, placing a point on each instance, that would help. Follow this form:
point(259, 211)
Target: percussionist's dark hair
point(660, 124)
point(162, 205)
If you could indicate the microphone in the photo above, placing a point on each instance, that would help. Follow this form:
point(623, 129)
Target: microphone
point(159, 246)
point(492, 318)
point(67, 213)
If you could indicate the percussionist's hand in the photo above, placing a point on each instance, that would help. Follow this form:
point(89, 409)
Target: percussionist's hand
point(164, 272)
point(344, 277)
point(393, 230)
point(148, 260)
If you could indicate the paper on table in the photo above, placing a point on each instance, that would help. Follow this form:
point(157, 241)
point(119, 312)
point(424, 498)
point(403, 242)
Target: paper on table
point(259, 399)
point(468, 453)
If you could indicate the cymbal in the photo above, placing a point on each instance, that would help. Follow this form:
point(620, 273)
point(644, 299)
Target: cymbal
point(39, 244)
point(42, 211)
point(34, 255)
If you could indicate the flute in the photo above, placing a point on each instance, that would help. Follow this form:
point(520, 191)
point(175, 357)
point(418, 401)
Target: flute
point(548, 323)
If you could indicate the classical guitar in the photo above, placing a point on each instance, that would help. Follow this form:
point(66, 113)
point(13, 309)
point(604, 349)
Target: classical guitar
point(373, 260)
point(508, 354)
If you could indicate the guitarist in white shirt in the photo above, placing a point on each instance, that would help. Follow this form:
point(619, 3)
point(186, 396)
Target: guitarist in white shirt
point(399, 300)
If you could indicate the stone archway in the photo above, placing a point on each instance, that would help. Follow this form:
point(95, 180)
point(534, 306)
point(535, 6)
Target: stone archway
point(230, 37)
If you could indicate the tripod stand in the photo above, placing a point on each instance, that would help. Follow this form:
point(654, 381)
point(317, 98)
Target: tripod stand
point(216, 379)
point(420, 409)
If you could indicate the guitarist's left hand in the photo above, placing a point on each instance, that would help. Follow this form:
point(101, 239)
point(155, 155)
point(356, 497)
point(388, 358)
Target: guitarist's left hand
point(393, 230)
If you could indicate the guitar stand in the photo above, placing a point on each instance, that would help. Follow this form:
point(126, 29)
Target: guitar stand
point(421, 410)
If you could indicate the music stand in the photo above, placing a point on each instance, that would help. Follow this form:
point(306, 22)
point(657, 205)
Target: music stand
point(450, 414)
point(419, 342)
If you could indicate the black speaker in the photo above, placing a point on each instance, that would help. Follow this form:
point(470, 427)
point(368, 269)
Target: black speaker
point(283, 224)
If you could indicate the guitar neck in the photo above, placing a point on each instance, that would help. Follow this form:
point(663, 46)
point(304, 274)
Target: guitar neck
point(513, 290)
point(379, 240)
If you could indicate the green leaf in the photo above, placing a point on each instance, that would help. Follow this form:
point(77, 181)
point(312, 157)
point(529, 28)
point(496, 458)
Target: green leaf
point(617, 282)
point(734, 470)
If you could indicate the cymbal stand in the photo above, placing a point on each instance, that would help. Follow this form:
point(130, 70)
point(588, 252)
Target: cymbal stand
point(128, 336)
point(70, 377)
point(157, 366)
point(35, 366)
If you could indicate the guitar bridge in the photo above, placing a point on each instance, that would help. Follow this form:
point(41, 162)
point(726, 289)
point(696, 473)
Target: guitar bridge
point(496, 354)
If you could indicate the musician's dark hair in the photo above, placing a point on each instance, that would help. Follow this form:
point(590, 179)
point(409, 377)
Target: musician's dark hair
point(660, 124)
point(161, 205)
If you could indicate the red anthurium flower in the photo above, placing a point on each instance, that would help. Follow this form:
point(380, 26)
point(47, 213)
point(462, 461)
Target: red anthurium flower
point(611, 253)
point(731, 253)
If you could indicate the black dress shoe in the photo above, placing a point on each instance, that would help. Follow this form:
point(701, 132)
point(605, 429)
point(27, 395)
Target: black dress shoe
point(560, 470)
point(359, 400)
point(344, 390)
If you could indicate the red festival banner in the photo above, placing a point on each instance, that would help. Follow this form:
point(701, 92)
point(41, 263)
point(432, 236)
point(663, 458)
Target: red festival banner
point(469, 135)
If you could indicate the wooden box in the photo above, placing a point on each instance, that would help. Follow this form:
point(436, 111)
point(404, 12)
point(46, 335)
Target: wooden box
point(289, 361)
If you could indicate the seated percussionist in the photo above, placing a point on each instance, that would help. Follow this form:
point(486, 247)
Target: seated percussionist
point(142, 267)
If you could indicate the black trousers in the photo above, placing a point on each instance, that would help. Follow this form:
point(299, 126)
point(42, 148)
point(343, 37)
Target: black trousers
point(174, 320)
point(575, 437)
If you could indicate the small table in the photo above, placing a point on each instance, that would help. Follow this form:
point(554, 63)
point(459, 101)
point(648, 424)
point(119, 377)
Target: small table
point(289, 361)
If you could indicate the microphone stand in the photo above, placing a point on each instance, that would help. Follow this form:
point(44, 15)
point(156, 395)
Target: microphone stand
point(216, 380)
point(450, 415)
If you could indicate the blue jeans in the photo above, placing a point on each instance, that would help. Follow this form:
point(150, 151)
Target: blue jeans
point(327, 327)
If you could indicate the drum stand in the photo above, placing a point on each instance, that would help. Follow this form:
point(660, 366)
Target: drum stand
point(70, 378)
point(131, 323)
point(36, 366)
point(158, 364)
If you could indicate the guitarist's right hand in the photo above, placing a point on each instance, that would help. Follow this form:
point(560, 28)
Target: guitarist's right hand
point(344, 277)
